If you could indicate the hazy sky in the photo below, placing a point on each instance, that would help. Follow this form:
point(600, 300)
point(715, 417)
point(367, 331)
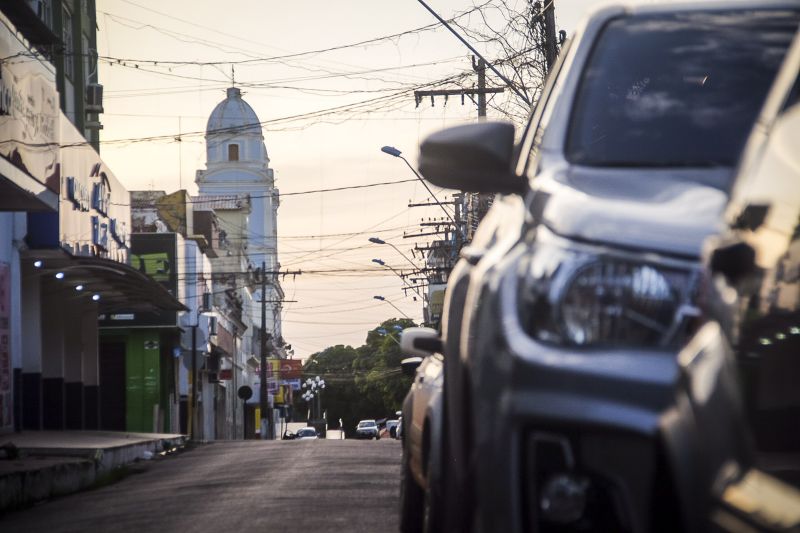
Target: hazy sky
point(165, 65)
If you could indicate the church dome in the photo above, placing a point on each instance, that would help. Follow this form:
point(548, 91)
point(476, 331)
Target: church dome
point(233, 112)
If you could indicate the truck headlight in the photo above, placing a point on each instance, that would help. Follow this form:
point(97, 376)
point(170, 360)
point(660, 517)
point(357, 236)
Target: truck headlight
point(582, 295)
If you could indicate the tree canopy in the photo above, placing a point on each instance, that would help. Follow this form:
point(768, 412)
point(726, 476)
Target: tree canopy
point(363, 382)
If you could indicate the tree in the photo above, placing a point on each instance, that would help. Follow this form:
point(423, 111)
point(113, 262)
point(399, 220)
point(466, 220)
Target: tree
point(383, 381)
point(516, 39)
point(363, 382)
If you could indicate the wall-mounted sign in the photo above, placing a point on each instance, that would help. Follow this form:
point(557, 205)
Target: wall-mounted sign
point(94, 206)
point(78, 194)
point(29, 110)
point(100, 233)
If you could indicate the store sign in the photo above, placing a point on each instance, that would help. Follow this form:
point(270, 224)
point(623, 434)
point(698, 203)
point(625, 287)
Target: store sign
point(119, 231)
point(436, 301)
point(78, 194)
point(293, 384)
point(101, 191)
point(100, 233)
point(29, 111)
point(291, 368)
point(94, 207)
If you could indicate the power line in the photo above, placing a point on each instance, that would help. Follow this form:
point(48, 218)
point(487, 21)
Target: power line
point(206, 199)
point(298, 54)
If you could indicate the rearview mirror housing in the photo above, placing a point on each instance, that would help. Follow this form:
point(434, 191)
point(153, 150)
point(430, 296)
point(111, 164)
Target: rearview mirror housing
point(420, 341)
point(474, 158)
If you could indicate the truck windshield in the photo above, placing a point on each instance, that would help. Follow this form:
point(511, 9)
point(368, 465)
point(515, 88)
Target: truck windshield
point(676, 90)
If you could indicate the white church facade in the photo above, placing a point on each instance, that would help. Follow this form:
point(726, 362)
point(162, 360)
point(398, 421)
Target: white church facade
point(237, 173)
point(237, 164)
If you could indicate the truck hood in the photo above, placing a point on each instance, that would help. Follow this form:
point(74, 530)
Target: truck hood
point(665, 210)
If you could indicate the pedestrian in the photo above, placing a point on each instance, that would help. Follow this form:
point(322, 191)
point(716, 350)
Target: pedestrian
point(341, 429)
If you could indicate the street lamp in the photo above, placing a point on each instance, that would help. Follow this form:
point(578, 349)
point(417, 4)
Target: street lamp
point(408, 285)
point(385, 333)
point(314, 388)
point(394, 152)
point(381, 298)
point(201, 310)
point(376, 240)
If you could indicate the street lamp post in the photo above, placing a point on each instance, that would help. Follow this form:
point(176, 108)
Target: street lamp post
point(383, 299)
point(394, 152)
point(313, 395)
point(385, 333)
point(408, 285)
point(377, 240)
point(203, 310)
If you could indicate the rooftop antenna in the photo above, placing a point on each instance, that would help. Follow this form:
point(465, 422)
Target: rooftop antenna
point(233, 75)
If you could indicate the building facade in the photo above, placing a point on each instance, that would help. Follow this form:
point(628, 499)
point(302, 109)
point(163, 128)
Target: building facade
point(239, 183)
point(64, 243)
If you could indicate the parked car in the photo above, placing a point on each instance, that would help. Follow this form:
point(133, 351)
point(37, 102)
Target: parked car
point(367, 429)
point(754, 295)
point(307, 433)
point(563, 395)
point(391, 428)
point(420, 475)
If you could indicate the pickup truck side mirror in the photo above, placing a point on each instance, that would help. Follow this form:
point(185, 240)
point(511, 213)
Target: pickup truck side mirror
point(474, 157)
point(420, 341)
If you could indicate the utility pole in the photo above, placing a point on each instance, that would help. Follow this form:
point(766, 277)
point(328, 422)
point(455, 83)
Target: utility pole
point(264, 338)
point(472, 49)
point(480, 92)
point(550, 43)
point(480, 68)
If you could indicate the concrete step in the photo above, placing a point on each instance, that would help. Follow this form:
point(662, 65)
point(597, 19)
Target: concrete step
point(43, 464)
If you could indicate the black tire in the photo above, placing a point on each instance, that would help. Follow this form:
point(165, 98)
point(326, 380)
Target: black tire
point(411, 500)
point(432, 508)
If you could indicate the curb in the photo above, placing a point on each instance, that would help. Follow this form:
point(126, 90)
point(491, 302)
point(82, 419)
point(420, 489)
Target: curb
point(42, 473)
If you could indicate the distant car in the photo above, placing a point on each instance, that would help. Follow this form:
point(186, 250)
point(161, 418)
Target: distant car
point(308, 433)
point(420, 478)
point(391, 427)
point(367, 429)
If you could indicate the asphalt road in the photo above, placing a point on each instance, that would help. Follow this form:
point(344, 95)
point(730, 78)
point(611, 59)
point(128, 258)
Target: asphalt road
point(325, 485)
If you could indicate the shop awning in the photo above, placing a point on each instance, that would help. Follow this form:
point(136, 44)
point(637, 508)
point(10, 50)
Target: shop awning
point(21, 192)
point(119, 287)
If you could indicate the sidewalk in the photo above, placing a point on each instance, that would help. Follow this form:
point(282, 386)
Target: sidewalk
point(36, 465)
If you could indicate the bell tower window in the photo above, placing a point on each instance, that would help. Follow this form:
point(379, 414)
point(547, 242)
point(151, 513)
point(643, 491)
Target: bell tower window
point(233, 152)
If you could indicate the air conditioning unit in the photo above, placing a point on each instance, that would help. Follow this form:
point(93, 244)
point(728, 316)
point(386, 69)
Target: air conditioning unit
point(94, 98)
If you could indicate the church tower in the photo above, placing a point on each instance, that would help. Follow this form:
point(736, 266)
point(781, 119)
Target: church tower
point(237, 164)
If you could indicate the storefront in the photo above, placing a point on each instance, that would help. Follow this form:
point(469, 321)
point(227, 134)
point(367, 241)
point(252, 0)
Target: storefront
point(74, 269)
point(28, 184)
point(147, 344)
